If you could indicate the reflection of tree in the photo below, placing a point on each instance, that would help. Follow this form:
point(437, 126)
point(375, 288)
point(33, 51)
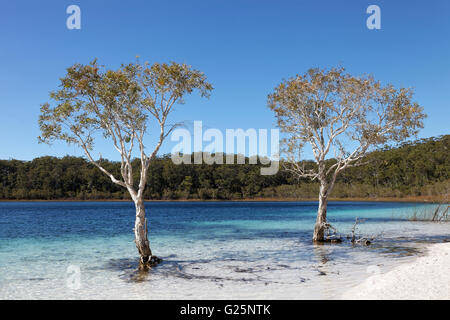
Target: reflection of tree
point(321, 253)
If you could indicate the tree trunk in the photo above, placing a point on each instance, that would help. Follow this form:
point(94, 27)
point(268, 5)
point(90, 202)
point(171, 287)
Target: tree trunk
point(140, 232)
point(319, 228)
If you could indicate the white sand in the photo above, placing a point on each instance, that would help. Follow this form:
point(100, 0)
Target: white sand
point(428, 277)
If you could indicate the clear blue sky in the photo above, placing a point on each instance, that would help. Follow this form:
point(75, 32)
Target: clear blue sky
point(245, 48)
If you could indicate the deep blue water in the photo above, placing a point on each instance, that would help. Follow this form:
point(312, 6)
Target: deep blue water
point(199, 220)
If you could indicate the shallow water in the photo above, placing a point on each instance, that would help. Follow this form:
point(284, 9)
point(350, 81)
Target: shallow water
point(226, 250)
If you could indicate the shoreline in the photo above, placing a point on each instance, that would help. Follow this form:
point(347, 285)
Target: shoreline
point(412, 199)
point(425, 278)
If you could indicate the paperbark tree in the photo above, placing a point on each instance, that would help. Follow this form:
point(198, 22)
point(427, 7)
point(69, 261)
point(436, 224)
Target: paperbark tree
point(332, 110)
point(120, 105)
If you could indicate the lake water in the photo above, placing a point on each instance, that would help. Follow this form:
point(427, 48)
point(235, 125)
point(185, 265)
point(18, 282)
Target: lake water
point(210, 250)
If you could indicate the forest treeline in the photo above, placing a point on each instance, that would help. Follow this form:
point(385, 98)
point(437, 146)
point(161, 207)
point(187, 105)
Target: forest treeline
point(419, 168)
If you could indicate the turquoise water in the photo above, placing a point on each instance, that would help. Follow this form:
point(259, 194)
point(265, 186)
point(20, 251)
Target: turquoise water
point(209, 249)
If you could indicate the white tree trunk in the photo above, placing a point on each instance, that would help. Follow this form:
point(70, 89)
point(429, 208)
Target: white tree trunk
point(319, 228)
point(140, 232)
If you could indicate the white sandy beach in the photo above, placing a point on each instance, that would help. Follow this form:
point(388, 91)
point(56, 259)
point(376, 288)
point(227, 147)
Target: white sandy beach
point(428, 277)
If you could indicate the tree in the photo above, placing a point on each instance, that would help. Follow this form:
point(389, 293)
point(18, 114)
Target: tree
point(332, 110)
point(120, 104)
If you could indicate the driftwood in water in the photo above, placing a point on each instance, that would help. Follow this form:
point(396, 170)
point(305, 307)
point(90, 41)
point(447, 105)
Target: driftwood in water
point(363, 240)
point(332, 235)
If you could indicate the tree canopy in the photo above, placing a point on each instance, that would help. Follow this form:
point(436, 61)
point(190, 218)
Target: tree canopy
point(336, 112)
point(119, 104)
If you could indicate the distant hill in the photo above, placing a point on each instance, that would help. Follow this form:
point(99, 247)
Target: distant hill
point(414, 169)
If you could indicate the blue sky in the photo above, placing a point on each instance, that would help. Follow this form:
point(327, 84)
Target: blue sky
point(244, 47)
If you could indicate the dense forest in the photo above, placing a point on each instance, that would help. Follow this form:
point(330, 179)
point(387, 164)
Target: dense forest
point(419, 168)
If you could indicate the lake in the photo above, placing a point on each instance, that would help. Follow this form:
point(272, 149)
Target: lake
point(210, 250)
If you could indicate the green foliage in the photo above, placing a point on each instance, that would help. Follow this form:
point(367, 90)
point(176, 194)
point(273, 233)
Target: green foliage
point(413, 168)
